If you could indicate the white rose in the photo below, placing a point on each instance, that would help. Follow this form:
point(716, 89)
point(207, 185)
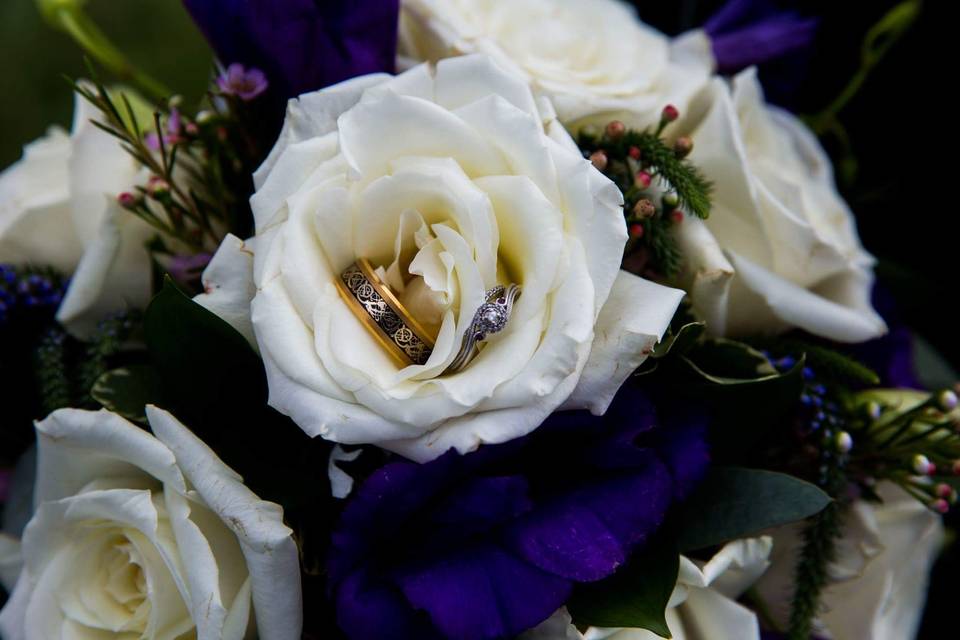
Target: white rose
point(143, 536)
point(879, 582)
point(588, 56)
point(448, 181)
point(58, 208)
point(780, 249)
point(703, 605)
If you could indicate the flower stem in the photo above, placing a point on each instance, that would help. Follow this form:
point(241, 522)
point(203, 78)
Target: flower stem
point(69, 17)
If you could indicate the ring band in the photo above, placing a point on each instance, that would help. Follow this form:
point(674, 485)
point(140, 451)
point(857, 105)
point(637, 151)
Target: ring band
point(490, 318)
point(383, 315)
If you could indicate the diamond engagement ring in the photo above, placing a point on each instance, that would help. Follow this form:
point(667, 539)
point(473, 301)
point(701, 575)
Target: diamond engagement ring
point(490, 318)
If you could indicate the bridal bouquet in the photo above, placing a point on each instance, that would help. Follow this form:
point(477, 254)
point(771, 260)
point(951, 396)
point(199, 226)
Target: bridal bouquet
point(454, 319)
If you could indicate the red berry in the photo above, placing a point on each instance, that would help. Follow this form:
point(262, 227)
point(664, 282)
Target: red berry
point(635, 153)
point(636, 231)
point(644, 179)
point(676, 216)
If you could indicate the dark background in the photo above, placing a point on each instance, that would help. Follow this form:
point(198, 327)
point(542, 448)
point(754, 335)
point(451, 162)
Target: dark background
point(901, 126)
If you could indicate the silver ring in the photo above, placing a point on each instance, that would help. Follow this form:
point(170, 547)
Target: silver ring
point(490, 318)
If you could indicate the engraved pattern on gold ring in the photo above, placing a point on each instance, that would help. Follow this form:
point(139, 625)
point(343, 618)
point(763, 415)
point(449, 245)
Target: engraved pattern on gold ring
point(404, 338)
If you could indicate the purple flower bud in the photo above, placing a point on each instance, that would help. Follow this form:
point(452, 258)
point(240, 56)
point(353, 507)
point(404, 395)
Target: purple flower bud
point(244, 83)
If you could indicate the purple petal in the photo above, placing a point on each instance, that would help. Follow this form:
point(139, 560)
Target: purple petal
point(367, 609)
point(586, 536)
point(302, 45)
point(762, 42)
point(483, 593)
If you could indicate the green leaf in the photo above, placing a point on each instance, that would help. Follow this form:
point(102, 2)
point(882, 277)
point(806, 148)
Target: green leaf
point(215, 383)
point(734, 502)
point(732, 359)
point(681, 341)
point(128, 390)
point(634, 597)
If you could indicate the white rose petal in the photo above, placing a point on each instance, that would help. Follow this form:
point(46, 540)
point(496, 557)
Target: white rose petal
point(35, 222)
point(148, 535)
point(588, 56)
point(449, 187)
point(58, 208)
point(879, 582)
point(780, 249)
point(703, 605)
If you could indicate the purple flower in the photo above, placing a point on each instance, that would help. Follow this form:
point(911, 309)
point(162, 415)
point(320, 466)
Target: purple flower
point(487, 545)
point(244, 83)
point(187, 268)
point(301, 45)
point(751, 32)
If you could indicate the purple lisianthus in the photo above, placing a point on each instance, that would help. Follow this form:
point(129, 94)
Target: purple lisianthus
point(301, 45)
point(751, 32)
point(487, 545)
point(246, 84)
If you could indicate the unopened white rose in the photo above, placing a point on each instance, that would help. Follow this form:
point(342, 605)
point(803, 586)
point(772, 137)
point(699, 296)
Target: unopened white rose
point(139, 535)
point(58, 208)
point(780, 249)
point(703, 605)
point(447, 180)
point(878, 583)
point(588, 56)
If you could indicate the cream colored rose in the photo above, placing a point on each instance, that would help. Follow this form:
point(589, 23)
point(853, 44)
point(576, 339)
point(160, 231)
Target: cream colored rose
point(703, 605)
point(138, 535)
point(878, 583)
point(58, 208)
point(780, 249)
point(588, 56)
point(447, 180)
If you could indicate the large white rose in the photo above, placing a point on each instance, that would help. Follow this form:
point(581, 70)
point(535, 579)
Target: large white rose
point(780, 249)
point(878, 583)
point(447, 180)
point(142, 536)
point(58, 207)
point(588, 56)
point(703, 605)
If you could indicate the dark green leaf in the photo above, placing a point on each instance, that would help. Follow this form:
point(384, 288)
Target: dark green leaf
point(732, 359)
point(215, 383)
point(128, 390)
point(733, 502)
point(681, 341)
point(635, 597)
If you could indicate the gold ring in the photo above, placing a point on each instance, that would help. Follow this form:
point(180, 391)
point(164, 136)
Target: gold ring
point(383, 315)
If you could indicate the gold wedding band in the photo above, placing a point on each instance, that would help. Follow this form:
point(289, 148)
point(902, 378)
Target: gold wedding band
point(375, 305)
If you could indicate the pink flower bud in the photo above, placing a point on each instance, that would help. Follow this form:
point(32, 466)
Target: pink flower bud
point(643, 179)
point(670, 113)
point(615, 130)
point(599, 160)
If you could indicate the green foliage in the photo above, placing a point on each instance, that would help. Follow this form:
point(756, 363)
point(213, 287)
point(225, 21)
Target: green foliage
point(831, 365)
point(636, 596)
point(213, 380)
point(819, 549)
point(128, 390)
point(675, 173)
point(106, 342)
point(653, 245)
point(734, 503)
point(52, 372)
